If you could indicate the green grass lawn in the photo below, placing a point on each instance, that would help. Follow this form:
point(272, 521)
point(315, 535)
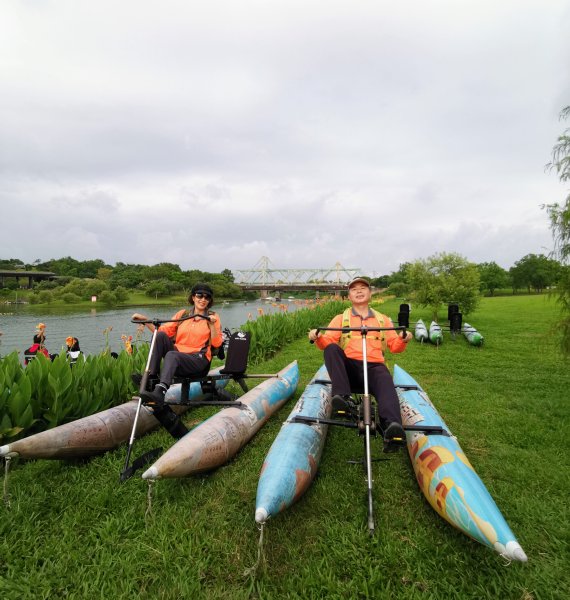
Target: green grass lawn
point(73, 531)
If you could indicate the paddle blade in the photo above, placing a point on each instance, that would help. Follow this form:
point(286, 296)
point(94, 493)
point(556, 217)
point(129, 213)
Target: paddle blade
point(139, 463)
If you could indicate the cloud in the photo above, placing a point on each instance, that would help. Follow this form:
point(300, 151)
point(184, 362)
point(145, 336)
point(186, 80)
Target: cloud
point(210, 135)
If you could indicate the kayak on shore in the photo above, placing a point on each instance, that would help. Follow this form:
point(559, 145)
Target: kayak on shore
point(447, 478)
point(97, 433)
point(293, 459)
point(215, 441)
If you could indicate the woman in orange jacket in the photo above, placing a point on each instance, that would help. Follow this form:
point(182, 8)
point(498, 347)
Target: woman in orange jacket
point(185, 346)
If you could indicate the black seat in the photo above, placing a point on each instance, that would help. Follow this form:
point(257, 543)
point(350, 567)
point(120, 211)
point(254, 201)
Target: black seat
point(236, 354)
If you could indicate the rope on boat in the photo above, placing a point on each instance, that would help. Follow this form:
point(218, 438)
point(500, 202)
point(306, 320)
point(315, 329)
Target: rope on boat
point(148, 512)
point(7, 461)
point(507, 562)
point(252, 571)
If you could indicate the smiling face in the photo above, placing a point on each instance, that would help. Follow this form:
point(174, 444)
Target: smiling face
point(201, 301)
point(359, 294)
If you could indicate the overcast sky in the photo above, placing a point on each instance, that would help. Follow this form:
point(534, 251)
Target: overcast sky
point(209, 134)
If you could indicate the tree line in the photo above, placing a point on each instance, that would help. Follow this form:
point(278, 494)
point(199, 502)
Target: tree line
point(533, 272)
point(80, 280)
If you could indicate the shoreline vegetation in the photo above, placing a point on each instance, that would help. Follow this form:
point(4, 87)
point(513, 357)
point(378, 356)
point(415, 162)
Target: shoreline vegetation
point(72, 531)
point(141, 299)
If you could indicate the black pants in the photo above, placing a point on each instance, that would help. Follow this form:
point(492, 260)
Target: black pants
point(179, 363)
point(347, 376)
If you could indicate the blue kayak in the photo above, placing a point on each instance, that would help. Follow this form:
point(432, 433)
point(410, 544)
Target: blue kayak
point(293, 459)
point(447, 478)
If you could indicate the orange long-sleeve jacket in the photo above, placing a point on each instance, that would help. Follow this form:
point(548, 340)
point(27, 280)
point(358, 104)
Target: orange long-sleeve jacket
point(193, 335)
point(374, 339)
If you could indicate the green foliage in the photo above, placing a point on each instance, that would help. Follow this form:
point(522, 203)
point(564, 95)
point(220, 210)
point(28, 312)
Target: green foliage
point(534, 271)
point(46, 394)
point(72, 267)
point(560, 225)
point(444, 278)
point(45, 297)
point(270, 333)
point(398, 289)
point(492, 277)
point(70, 298)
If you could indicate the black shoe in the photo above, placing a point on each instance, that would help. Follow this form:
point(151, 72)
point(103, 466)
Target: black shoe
point(156, 397)
point(152, 380)
point(394, 437)
point(170, 421)
point(344, 406)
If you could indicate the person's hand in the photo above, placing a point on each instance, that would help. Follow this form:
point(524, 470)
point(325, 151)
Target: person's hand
point(313, 335)
point(138, 317)
point(408, 337)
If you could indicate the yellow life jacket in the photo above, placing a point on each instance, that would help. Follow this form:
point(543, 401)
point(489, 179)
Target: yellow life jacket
point(375, 335)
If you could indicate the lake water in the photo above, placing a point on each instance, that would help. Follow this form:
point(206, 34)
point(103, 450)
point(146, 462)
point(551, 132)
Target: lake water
point(18, 323)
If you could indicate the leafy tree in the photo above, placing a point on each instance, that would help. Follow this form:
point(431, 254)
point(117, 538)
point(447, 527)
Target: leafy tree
point(108, 298)
point(45, 297)
point(94, 287)
point(399, 289)
point(443, 278)
point(402, 275)
point(11, 264)
point(492, 277)
point(560, 226)
point(161, 271)
point(535, 271)
point(104, 273)
point(11, 284)
point(159, 288)
point(50, 284)
point(227, 274)
point(380, 282)
point(121, 294)
point(128, 276)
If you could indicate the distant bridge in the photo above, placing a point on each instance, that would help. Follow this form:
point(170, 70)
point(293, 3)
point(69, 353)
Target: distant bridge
point(31, 276)
point(263, 277)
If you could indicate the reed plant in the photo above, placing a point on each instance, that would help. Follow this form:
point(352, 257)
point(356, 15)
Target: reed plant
point(47, 393)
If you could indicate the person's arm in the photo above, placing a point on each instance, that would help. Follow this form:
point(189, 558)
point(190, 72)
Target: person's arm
point(394, 339)
point(170, 328)
point(324, 339)
point(141, 317)
point(215, 330)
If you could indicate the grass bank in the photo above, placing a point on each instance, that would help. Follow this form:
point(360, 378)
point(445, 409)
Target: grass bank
point(73, 532)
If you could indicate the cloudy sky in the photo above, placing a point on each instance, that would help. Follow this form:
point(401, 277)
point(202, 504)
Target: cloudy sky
point(209, 134)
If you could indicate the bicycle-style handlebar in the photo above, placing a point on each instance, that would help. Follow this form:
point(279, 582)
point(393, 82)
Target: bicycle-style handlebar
point(157, 322)
point(363, 330)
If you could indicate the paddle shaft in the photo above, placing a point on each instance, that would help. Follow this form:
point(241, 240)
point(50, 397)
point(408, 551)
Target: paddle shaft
point(367, 409)
point(142, 387)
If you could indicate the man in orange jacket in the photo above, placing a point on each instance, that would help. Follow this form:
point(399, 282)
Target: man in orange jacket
point(344, 360)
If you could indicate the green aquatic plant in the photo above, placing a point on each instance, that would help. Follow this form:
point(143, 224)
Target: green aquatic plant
point(45, 394)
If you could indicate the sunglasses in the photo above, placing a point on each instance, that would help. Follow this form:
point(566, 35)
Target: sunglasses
point(201, 296)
